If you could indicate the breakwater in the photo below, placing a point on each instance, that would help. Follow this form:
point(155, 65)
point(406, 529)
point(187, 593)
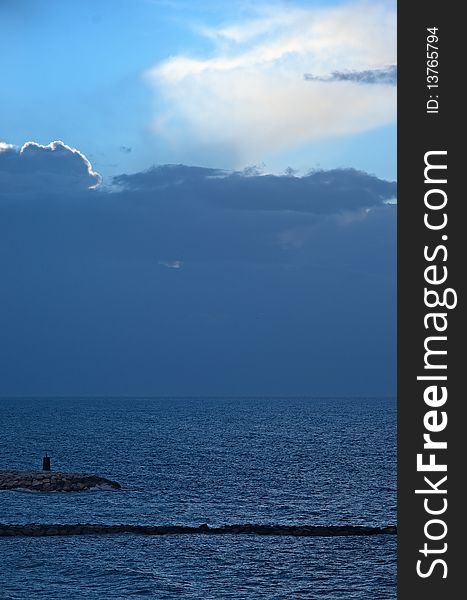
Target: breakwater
point(46, 481)
point(40, 530)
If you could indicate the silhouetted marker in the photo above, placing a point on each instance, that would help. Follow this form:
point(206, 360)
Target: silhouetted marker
point(46, 463)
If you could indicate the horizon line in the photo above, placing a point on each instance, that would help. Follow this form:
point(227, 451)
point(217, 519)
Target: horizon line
point(199, 397)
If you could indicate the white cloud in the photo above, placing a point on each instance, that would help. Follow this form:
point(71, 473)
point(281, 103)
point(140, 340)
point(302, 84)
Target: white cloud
point(4, 147)
point(171, 264)
point(251, 97)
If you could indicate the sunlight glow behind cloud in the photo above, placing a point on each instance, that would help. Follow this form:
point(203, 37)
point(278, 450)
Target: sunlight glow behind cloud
point(55, 167)
point(250, 97)
point(32, 148)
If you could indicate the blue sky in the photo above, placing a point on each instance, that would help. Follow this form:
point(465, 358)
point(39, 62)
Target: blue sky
point(132, 83)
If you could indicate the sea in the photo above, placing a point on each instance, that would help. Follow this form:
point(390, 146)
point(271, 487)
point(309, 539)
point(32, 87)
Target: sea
point(190, 461)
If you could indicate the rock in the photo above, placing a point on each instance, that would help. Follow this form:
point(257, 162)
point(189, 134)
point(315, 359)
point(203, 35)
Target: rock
point(40, 481)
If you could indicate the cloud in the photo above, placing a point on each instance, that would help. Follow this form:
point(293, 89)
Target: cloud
point(166, 176)
point(320, 192)
point(249, 96)
point(171, 264)
point(55, 168)
point(385, 76)
point(189, 281)
point(4, 147)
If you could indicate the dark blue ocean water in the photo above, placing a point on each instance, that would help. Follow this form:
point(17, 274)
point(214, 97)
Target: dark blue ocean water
point(193, 461)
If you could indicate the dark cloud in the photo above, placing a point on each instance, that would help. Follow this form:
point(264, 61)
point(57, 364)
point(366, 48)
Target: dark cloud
point(166, 176)
point(386, 76)
point(191, 281)
point(319, 192)
point(55, 168)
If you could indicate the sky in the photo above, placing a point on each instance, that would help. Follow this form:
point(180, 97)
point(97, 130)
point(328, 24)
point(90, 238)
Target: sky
point(197, 198)
point(229, 85)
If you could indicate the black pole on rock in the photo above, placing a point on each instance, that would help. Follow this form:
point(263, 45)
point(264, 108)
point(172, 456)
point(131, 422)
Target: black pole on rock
point(46, 462)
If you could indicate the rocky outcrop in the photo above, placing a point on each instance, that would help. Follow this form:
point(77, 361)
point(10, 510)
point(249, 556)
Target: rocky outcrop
point(34, 530)
point(46, 481)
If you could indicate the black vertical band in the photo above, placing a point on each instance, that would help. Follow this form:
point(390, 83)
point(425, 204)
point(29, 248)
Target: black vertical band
point(431, 253)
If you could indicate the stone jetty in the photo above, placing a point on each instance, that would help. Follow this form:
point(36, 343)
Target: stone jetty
point(40, 530)
point(46, 481)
